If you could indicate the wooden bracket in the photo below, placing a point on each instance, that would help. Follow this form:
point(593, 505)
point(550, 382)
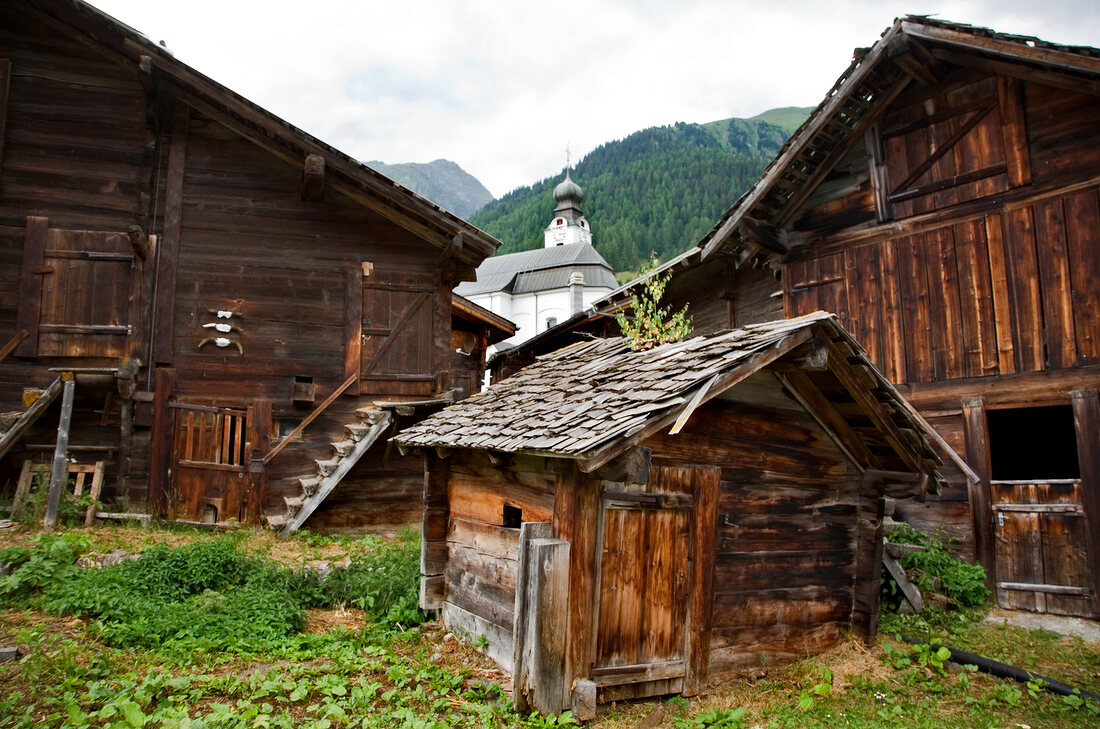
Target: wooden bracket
point(139, 241)
point(762, 235)
point(313, 178)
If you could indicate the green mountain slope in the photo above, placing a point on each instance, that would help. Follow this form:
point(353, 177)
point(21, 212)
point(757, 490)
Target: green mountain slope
point(442, 181)
point(660, 189)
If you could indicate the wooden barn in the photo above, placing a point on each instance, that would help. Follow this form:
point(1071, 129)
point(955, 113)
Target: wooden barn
point(621, 524)
point(228, 297)
point(944, 202)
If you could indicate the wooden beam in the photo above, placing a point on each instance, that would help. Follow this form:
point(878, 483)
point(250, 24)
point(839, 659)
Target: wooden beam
point(60, 472)
point(19, 428)
point(168, 257)
point(309, 418)
point(313, 178)
point(828, 417)
point(1010, 97)
point(976, 432)
point(994, 66)
point(855, 383)
point(805, 245)
point(896, 484)
point(915, 60)
point(1007, 49)
point(12, 344)
point(1086, 419)
point(762, 235)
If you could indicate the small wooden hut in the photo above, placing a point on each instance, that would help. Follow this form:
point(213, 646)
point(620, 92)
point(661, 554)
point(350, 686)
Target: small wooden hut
point(620, 524)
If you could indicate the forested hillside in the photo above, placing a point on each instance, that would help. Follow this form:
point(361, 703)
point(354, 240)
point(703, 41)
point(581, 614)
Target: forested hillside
point(658, 190)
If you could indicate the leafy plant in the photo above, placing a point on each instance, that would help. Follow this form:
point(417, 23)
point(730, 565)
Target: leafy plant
point(650, 325)
point(806, 699)
point(713, 719)
point(961, 582)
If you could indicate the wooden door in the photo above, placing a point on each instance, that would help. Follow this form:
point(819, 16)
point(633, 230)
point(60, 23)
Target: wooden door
point(396, 355)
point(644, 584)
point(74, 292)
point(210, 450)
point(1041, 543)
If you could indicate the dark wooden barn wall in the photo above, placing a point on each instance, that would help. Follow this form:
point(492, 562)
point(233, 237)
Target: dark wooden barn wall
point(93, 143)
point(75, 147)
point(787, 538)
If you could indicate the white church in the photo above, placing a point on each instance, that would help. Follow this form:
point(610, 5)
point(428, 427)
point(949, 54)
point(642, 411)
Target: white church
point(537, 289)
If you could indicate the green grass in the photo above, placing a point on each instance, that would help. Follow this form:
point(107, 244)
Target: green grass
point(217, 632)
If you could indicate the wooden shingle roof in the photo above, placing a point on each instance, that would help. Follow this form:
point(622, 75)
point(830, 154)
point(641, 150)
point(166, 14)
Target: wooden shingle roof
point(592, 400)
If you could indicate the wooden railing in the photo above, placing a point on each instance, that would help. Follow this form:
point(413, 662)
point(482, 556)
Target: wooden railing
point(309, 419)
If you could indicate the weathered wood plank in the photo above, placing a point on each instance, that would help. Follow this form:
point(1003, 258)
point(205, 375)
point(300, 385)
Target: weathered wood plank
point(976, 429)
point(1086, 418)
point(1054, 277)
point(30, 285)
point(1024, 288)
point(1082, 221)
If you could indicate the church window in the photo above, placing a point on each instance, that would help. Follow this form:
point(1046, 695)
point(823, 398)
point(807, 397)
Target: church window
point(559, 221)
point(551, 321)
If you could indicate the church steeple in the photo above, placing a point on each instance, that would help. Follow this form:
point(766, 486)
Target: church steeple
point(568, 225)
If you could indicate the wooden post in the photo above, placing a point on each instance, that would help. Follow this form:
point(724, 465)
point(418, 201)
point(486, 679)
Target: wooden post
point(97, 488)
point(433, 545)
point(353, 324)
point(865, 600)
point(258, 435)
point(168, 257)
point(540, 628)
point(1086, 418)
point(160, 447)
point(60, 473)
point(30, 285)
point(976, 429)
point(706, 487)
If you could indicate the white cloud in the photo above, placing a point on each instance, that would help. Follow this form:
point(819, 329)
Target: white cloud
point(501, 86)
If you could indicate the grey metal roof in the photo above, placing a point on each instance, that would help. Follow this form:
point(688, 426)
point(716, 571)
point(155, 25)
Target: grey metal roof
point(584, 396)
point(558, 278)
point(497, 273)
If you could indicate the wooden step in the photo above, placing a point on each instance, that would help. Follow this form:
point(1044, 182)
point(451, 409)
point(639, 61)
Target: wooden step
point(293, 503)
point(369, 415)
point(326, 468)
point(275, 521)
point(343, 447)
point(310, 485)
point(356, 431)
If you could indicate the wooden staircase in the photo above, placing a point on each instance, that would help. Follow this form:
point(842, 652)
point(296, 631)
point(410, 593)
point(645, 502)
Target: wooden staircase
point(361, 435)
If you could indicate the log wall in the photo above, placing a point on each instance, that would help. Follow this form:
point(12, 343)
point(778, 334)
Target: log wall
point(788, 539)
point(485, 506)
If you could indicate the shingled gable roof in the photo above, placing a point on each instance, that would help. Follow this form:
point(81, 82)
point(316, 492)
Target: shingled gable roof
point(593, 400)
point(86, 24)
point(913, 48)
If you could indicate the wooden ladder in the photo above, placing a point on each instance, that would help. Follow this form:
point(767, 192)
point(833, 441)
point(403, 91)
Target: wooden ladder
point(361, 436)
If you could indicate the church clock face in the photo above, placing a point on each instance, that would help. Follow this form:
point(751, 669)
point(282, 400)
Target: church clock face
point(558, 236)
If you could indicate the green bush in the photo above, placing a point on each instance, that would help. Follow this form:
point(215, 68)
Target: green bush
point(210, 595)
point(961, 582)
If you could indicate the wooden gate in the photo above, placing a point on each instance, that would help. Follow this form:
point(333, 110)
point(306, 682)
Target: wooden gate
point(1041, 546)
point(210, 451)
point(645, 585)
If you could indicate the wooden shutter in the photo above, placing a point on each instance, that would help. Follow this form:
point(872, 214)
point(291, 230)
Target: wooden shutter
point(73, 292)
point(397, 343)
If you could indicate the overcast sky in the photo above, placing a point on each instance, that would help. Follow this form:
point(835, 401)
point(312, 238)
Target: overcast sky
point(502, 86)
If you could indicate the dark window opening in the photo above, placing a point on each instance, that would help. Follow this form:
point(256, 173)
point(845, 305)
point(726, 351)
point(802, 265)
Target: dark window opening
point(286, 426)
point(304, 379)
point(1033, 443)
point(513, 516)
